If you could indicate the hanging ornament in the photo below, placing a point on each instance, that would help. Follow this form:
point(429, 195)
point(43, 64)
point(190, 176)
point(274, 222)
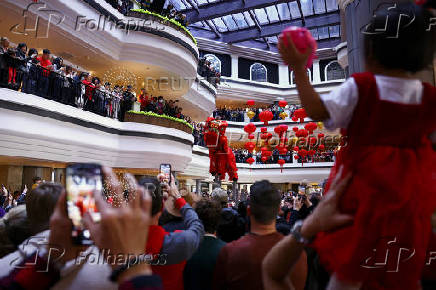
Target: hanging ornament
point(321, 147)
point(302, 133)
point(300, 114)
point(295, 129)
point(250, 114)
point(250, 146)
point(296, 149)
point(283, 103)
point(269, 136)
point(250, 128)
point(266, 116)
point(263, 129)
point(250, 160)
point(312, 140)
point(281, 162)
point(283, 151)
point(283, 115)
point(310, 127)
point(320, 125)
point(320, 135)
point(264, 136)
point(295, 119)
point(250, 103)
point(264, 159)
point(296, 157)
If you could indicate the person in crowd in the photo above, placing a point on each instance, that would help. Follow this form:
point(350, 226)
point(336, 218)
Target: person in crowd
point(57, 79)
point(230, 227)
point(126, 103)
point(36, 182)
point(89, 88)
point(177, 247)
point(30, 74)
point(28, 219)
point(198, 273)
point(143, 99)
point(4, 46)
point(110, 233)
point(43, 78)
point(248, 252)
point(388, 89)
point(160, 106)
point(302, 207)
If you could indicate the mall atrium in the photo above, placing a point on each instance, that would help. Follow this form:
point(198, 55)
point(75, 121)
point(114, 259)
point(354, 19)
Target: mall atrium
point(209, 88)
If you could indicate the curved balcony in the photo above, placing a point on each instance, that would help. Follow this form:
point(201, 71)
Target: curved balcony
point(199, 101)
point(95, 36)
point(37, 128)
point(291, 173)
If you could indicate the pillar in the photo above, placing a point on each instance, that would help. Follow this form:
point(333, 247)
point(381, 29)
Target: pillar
point(235, 67)
point(316, 72)
point(198, 186)
point(283, 75)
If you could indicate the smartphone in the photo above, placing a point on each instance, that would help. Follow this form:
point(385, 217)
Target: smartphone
point(165, 169)
point(83, 180)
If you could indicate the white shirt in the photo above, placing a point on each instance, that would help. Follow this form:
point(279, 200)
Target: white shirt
point(341, 102)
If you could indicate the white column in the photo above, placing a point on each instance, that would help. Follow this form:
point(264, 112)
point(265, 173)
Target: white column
point(235, 67)
point(316, 72)
point(283, 75)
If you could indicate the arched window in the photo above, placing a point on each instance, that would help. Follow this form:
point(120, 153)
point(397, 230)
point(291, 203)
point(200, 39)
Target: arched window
point(258, 72)
point(309, 74)
point(215, 62)
point(334, 71)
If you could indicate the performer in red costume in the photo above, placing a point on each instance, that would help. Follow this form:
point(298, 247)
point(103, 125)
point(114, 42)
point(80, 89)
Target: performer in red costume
point(222, 159)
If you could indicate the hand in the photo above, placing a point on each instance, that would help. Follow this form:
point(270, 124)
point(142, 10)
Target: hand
point(291, 56)
point(172, 189)
point(25, 189)
point(60, 232)
point(326, 216)
point(122, 230)
point(297, 203)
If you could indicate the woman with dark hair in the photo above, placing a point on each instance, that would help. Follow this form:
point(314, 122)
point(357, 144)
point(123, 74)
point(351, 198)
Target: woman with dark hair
point(57, 79)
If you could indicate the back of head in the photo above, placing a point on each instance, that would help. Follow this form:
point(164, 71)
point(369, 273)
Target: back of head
point(209, 212)
point(153, 187)
point(40, 203)
point(264, 202)
point(220, 195)
point(399, 36)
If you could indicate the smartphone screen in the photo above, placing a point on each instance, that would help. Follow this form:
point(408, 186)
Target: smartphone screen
point(301, 189)
point(165, 169)
point(82, 181)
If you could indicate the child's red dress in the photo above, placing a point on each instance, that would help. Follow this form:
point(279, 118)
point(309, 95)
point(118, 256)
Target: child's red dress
point(392, 194)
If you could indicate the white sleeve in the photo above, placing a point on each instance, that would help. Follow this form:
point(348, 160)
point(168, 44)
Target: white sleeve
point(340, 104)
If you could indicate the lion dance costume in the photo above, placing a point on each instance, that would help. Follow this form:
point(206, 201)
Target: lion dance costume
point(222, 159)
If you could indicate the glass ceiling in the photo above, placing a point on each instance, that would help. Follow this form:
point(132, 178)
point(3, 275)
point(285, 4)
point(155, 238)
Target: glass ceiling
point(261, 20)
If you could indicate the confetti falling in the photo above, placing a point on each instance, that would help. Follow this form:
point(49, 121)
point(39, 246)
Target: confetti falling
point(121, 76)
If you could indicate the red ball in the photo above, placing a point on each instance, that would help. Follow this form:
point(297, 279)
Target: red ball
point(302, 39)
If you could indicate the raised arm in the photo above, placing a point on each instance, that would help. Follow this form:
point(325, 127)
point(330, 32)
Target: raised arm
point(310, 99)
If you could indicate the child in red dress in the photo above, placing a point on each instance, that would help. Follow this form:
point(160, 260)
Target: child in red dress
point(389, 120)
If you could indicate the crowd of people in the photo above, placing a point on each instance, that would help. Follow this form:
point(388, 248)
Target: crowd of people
point(47, 76)
point(156, 6)
point(207, 71)
point(242, 155)
point(239, 114)
point(196, 241)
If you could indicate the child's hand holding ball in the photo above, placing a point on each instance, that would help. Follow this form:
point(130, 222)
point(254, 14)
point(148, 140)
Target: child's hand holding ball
point(297, 47)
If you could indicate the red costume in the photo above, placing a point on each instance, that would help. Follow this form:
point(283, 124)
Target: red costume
point(222, 159)
point(391, 196)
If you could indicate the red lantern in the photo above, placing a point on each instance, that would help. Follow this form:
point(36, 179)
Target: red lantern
point(281, 162)
point(312, 140)
point(266, 116)
point(311, 127)
point(210, 119)
point(302, 133)
point(295, 119)
point(277, 130)
point(263, 149)
point(263, 129)
point(300, 114)
point(251, 136)
point(320, 135)
point(264, 159)
point(302, 152)
point(283, 103)
point(296, 148)
point(250, 128)
point(284, 128)
point(321, 147)
point(269, 136)
point(295, 129)
point(311, 152)
point(250, 103)
point(250, 160)
point(263, 136)
point(250, 146)
point(283, 151)
point(296, 157)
